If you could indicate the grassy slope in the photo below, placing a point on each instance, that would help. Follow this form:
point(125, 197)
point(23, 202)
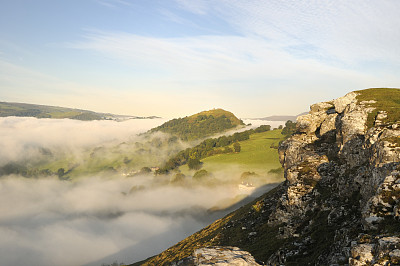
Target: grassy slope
point(228, 231)
point(255, 155)
point(386, 100)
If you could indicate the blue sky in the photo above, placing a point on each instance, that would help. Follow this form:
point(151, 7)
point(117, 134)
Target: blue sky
point(177, 57)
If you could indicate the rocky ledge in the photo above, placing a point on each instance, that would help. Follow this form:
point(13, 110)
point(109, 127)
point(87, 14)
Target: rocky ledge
point(340, 201)
point(219, 256)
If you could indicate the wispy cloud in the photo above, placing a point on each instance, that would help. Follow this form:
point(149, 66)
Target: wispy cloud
point(349, 32)
point(113, 3)
point(216, 58)
point(198, 7)
point(248, 51)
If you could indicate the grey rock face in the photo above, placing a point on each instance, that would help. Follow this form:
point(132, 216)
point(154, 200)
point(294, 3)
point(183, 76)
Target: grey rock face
point(343, 176)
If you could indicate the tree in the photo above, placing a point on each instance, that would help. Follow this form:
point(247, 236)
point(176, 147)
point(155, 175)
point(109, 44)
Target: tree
point(236, 147)
point(263, 128)
point(194, 164)
point(178, 178)
point(199, 175)
point(289, 129)
point(61, 172)
point(222, 141)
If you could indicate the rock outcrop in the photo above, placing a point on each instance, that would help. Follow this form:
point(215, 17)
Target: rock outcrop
point(345, 177)
point(219, 256)
point(340, 202)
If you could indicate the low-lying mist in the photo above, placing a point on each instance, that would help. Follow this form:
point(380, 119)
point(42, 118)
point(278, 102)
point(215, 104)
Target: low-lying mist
point(21, 137)
point(101, 216)
point(51, 222)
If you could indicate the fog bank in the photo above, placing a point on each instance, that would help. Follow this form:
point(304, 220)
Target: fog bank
point(51, 222)
point(21, 137)
point(258, 122)
point(95, 218)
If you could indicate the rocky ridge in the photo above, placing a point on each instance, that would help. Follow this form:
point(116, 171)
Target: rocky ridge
point(347, 174)
point(340, 202)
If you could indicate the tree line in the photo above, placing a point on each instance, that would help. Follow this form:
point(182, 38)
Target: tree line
point(208, 148)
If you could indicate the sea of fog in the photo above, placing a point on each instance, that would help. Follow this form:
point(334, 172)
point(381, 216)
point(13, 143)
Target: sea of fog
point(92, 220)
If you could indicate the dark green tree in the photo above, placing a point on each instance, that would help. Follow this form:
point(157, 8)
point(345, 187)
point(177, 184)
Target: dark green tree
point(262, 128)
point(237, 147)
point(61, 172)
point(178, 178)
point(199, 175)
point(194, 164)
point(289, 129)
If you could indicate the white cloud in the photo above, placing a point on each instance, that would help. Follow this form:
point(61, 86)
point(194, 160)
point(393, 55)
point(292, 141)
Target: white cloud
point(50, 222)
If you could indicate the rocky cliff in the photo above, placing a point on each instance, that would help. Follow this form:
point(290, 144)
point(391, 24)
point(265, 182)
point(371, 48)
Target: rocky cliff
point(340, 203)
point(342, 174)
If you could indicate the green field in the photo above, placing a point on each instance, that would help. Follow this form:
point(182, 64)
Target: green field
point(255, 156)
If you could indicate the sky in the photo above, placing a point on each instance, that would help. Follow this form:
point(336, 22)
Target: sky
point(173, 58)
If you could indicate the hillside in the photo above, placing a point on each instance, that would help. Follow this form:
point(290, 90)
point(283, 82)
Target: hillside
point(340, 201)
point(44, 111)
point(257, 155)
point(201, 125)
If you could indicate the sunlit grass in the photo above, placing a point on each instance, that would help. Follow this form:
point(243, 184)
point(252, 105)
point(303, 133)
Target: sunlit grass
point(256, 155)
point(386, 100)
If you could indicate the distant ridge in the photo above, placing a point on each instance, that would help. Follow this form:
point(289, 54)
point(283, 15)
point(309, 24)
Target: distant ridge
point(281, 117)
point(46, 111)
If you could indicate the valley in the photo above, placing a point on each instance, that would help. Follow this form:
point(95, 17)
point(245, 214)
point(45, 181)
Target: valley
point(107, 174)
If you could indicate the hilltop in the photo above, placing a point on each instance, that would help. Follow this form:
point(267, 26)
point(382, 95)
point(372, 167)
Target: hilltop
point(45, 111)
point(201, 125)
point(340, 201)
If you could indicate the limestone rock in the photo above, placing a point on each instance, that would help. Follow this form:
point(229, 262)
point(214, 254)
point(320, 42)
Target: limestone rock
point(219, 256)
point(342, 102)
